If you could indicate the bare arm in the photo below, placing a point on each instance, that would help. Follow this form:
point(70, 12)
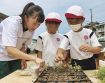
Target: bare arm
point(87, 48)
point(16, 53)
point(60, 55)
point(39, 55)
point(95, 50)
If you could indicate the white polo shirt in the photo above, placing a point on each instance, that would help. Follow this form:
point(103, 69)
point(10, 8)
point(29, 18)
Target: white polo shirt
point(49, 45)
point(76, 39)
point(11, 34)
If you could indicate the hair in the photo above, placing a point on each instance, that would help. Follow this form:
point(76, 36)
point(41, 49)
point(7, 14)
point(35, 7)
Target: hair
point(31, 9)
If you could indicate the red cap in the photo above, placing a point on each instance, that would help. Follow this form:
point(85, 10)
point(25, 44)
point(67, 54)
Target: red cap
point(53, 19)
point(68, 15)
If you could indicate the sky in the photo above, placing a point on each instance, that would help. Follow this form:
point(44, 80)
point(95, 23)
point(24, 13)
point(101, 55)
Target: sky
point(15, 7)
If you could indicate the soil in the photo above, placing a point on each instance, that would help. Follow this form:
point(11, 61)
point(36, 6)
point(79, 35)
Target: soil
point(57, 75)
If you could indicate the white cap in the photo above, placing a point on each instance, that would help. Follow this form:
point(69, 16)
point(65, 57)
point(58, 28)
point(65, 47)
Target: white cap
point(53, 17)
point(75, 10)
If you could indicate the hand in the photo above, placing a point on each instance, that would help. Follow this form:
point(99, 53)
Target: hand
point(23, 49)
point(23, 64)
point(39, 61)
point(85, 48)
point(59, 57)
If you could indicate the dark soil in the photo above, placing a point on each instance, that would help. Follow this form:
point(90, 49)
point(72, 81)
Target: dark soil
point(68, 75)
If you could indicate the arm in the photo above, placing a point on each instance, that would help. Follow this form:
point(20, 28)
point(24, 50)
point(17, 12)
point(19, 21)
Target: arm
point(60, 55)
point(39, 47)
point(95, 50)
point(87, 48)
point(16, 53)
point(95, 46)
point(23, 62)
point(68, 56)
point(39, 54)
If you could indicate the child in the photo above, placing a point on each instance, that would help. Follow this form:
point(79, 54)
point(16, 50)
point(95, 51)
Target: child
point(83, 42)
point(49, 41)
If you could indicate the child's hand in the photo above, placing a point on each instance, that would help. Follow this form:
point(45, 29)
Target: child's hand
point(39, 61)
point(85, 48)
point(23, 64)
point(59, 57)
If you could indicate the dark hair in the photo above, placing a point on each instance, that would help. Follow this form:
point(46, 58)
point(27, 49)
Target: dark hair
point(31, 9)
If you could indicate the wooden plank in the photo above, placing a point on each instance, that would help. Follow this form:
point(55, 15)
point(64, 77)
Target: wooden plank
point(92, 75)
point(16, 78)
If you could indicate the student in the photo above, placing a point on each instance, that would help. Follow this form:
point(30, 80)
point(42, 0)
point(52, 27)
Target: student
point(83, 42)
point(15, 32)
point(49, 41)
